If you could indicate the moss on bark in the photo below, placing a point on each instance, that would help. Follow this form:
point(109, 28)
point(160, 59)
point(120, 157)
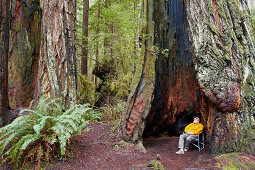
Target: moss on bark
point(24, 51)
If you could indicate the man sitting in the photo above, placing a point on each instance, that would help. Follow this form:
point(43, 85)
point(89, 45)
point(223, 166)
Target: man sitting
point(191, 133)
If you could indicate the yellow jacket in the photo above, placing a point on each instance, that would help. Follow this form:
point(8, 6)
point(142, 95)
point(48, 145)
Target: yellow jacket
point(194, 128)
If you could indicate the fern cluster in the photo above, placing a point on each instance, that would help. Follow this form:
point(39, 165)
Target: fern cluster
point(43, 132)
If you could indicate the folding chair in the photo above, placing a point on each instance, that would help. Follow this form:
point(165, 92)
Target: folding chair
point(199, 142)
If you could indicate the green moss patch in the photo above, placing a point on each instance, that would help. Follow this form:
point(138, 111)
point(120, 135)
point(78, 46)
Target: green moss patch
point(235, 161)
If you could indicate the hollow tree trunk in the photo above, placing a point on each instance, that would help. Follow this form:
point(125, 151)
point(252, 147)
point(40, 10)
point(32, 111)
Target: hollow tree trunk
point(204, 65)
point(24, 51)
point(57, 68)
point(4, 52)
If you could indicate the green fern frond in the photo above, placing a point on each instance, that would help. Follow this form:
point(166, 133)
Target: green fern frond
point(15, 124)
point(7, 142)
point(30, 140)
point(5, 135)
point(69, 122)
point(42, 105)
point(17, 148)
point(71, 109)
point(58, 110)
point(55, 107)
point(82, 126)
point(62, 140)
point(32, 111)
point(43, 121)
point(80, 111)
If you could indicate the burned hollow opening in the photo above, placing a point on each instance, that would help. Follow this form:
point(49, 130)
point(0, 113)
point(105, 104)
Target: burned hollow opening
point(157, 130)
point(176, 95)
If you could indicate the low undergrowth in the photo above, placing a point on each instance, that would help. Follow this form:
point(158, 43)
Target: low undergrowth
point(43, 133)
point(113, 111)
point(235, 161)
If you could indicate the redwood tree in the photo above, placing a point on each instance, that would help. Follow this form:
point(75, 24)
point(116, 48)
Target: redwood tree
point(57, 75)
point(4, 52)
point(84, 61)
point(204, 65)
point(25, 40)
point(98, 31)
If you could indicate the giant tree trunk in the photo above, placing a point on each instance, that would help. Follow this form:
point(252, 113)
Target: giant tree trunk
point(204, 65)
point(24, 51)
point(4, 51)
point(223, 55)
point(57, 67)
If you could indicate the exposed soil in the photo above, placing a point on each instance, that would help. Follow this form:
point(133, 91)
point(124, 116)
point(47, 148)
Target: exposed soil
point(101, 148)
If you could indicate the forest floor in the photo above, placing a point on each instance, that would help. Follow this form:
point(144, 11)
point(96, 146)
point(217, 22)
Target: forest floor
point(101, 148)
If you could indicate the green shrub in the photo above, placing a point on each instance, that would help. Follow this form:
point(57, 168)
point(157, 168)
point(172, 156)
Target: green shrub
point(120, 87)
point(87, 90)
point(44, 132)
point(112, 112)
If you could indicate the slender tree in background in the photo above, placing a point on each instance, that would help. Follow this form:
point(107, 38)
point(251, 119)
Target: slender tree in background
point(204, 65)
point(108, 29)
point(84, 61)
point(97, 32)
point(57, 69)
point(4, 52)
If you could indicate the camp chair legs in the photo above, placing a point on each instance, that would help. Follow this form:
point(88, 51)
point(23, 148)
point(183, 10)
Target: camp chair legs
point(200, 142)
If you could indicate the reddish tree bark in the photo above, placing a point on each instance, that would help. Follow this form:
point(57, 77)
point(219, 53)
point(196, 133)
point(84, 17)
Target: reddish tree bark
point(98, 31)
point(84, 61)
point(4, 52)
point(24, 52)
point(57, 75)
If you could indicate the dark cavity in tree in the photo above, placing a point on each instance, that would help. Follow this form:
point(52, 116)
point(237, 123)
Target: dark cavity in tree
point(176, 94)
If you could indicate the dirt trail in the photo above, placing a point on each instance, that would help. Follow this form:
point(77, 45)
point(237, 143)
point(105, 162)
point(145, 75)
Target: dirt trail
point(101, 149)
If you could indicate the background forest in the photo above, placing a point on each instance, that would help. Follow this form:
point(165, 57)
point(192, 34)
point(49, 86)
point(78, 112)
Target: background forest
point(113, 48)
point(98, 49)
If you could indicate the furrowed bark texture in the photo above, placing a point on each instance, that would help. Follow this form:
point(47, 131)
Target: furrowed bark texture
point(223, 55)
point(4, 51)
point(204, 65)
point(24, 51)
point(57, 67)
point(139, 102)
point(84, 61)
